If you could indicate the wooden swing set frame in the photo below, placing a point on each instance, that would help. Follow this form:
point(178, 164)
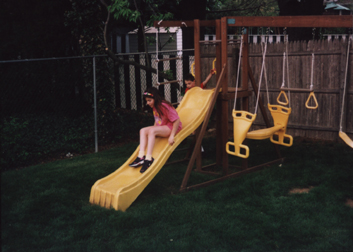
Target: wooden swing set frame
point(223, 93)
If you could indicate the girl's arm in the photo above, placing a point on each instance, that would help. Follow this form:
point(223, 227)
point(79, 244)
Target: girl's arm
point(174, 130)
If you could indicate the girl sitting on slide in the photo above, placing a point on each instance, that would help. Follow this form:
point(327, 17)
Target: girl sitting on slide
point(167, 124)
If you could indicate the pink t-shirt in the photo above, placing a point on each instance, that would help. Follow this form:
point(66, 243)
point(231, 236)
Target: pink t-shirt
point(169, 116)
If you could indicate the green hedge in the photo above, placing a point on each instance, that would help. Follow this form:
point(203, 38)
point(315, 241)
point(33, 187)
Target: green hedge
point(27, 139)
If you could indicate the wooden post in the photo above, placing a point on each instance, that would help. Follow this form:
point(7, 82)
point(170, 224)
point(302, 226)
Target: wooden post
point(224, 56)
point(202, 132)
point(197, 58)
point(262, 107)
point(245, 82)
point(218, 48)
point(199, 156)
point(224, 107)
point(219, 102)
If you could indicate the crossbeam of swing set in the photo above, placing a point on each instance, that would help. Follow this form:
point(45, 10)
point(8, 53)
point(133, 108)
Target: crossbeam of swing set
point(326, 21)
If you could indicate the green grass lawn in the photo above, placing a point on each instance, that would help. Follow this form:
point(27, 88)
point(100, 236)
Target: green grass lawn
point(46, 207)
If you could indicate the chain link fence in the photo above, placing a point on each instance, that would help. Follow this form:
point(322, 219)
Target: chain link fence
point(133, 81)
point(66, 106)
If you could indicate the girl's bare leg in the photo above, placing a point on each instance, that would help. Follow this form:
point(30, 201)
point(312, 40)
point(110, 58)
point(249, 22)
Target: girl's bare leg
point(152, 132)
point(143, 140)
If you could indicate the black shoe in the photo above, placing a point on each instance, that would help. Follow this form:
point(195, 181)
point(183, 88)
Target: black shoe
point(138, 161)
point(146, 165)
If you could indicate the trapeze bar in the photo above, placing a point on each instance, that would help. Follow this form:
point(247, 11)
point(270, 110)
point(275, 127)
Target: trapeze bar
point(167, 82)
point(166, 59)
point(297, 89)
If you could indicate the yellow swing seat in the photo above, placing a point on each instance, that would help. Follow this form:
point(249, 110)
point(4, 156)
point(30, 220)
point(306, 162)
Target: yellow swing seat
point(280, 117)
point(242, 121)
point(346, 138)
point(263, 133)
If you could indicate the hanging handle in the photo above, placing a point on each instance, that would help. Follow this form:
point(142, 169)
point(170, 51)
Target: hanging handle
point(192, 69)
point(311, 95)
point(213, 65)
point(282, 93)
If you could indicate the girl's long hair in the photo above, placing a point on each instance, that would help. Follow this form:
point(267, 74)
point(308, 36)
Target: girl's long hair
point(153, 93)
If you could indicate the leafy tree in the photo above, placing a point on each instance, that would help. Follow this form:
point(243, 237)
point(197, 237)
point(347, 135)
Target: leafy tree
point(243, 8)
point(34, 29)
point(145, 12)
point(301, 8)
point(84, 20)
point(141, 13)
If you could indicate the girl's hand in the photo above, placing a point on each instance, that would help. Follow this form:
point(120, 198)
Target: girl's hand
point(171, 140)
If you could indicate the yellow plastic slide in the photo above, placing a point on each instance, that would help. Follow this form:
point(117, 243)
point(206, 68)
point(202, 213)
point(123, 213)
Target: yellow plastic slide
point(121, 188)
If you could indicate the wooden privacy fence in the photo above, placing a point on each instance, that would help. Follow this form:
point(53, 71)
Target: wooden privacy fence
point(328, 80)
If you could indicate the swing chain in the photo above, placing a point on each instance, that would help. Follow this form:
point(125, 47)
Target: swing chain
point(285, 36)
point(313, 32)
point(312, 70)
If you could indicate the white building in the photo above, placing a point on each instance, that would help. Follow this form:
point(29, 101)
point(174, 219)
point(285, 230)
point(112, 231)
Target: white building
point(169, 40)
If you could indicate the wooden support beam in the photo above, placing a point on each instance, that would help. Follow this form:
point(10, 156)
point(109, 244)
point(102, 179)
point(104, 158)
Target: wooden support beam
point(219, 102)
point(218, 47)
point(197, 52)
point(186, 23)
point(245, 63)
point(296, 54)
point(224, 54)
point(202, 132)
point(344, 21)
point(230, 95)
point(234, 175)
point(198, 154)
point(224, 104)
point(262, 108)
point(261, 105)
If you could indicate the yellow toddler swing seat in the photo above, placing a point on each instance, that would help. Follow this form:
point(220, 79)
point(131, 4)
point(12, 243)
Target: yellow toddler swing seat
point(242, 121)
point(280, 117)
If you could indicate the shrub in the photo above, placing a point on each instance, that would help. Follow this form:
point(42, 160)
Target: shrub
point(26, 139)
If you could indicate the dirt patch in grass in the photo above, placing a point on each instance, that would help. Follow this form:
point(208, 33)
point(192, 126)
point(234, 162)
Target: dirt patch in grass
point(300, 190)
point(349, 203)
